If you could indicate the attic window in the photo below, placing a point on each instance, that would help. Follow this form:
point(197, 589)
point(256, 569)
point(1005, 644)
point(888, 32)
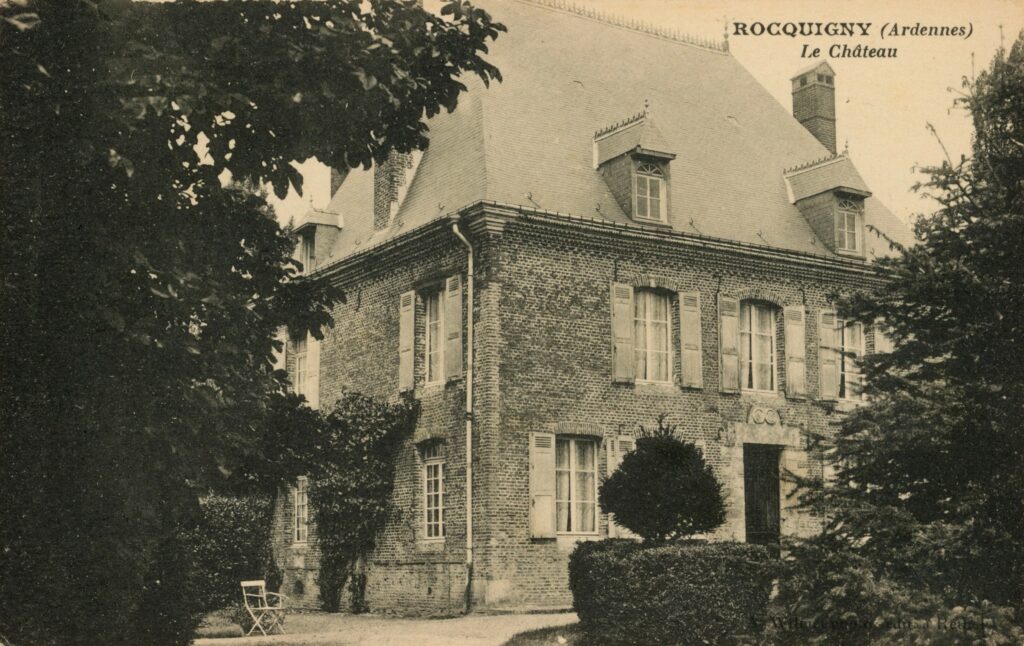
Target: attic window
point(650, 193)
point(848, 224)
point(803, 81)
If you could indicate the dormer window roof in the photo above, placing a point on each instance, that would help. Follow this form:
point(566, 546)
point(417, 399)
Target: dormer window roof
point(636, 135)
point(633, 157)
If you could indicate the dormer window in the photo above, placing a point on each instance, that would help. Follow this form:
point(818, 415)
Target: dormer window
point(634, 160)
point(650, 193)
point(849, 215)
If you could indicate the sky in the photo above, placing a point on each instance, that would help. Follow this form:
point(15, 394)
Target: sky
point(883, 105)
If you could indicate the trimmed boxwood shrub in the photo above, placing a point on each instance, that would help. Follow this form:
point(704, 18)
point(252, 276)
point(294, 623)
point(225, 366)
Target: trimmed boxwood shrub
point(681, 593)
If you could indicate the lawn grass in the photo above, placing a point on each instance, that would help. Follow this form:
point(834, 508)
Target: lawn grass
point(571, 635)
point(222, 623)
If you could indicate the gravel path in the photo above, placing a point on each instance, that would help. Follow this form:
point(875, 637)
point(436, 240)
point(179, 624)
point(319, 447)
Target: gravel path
point(325, 628)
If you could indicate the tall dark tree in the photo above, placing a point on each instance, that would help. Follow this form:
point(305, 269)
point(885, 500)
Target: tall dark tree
point(140, 293)
point(926, 512)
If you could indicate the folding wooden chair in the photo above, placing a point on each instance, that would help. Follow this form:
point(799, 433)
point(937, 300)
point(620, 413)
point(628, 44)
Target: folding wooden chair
point(267, 609)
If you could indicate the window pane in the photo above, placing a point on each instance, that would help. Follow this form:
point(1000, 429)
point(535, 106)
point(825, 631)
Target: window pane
point(562, 454)
point(659, 304)
point(853, 334)
point(562, 512)
point(654, 190)
point(765, 324)
point(435, 366)
point(763, 348)
point(562, 485)
point(641, 363)
point(764, 377)
point(585, 487)
point(659, 337)
point(641, 206)
point(585, 517)
point(745, 360)
point(584, 455)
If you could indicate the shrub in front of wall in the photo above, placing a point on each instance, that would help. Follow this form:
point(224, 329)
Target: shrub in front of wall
point(663, 490)
point(680, 593)
point(230, 543)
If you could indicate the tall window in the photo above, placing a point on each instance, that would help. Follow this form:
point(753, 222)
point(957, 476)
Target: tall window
point(433, 490)
point(651, 342)
point(576, 485)
point(650, 194)
point(301, 366)
point(757, 347)
point(307, 252)
point(850, 339)
point(848, 225)
point(434, 346)
point(301, 510)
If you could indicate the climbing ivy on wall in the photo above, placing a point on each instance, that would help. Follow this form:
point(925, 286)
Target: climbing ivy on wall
point(352, 475)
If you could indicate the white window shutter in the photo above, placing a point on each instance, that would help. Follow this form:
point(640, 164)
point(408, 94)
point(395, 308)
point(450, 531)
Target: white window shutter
point(622, 332)
point(612, 456)
point(883, 342)
point(795, 321)
point(542, 485)
point(281, 356)
point(729, 342)
point(406, 331)
point(856, 352)
point(828, 368)
point(690, 339)
point(453, 327)
point(618, 447)
point(312, 389)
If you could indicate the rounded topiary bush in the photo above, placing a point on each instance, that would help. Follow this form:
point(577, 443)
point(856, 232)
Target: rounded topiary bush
point(663, 489)
point(679, 593)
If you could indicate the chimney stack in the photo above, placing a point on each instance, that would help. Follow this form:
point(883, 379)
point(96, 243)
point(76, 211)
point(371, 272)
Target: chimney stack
point(814, 103)
point(388, 178)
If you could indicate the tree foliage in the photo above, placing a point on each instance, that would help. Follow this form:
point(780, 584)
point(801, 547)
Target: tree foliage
point(926, 516)
point(141, 291)
point(663, 490)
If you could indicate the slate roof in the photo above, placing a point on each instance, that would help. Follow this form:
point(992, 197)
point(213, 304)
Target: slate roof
point(831, 173)
point(529, 140)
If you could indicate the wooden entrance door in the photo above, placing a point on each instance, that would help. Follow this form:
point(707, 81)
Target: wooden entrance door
point(761, 492)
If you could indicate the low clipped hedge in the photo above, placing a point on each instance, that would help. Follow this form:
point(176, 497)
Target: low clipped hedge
point(679, 593)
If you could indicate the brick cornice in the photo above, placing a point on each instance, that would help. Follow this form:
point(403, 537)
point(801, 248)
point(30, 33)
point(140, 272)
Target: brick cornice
point(493, 218)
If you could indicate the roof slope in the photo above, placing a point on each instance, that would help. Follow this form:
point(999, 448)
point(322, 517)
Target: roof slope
point(529, 140)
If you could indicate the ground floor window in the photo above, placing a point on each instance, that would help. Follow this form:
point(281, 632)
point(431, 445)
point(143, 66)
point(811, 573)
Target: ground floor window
point(301, 510)
point(433, 490)
point(576, 485)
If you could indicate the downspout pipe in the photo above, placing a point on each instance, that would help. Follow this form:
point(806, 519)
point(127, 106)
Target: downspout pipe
point(469, 415)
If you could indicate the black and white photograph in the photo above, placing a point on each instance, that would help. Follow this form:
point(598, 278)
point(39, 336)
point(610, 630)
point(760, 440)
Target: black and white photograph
point(511, 322)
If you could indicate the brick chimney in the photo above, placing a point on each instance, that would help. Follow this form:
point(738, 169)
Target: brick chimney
point(388, 179)
point(814, 103)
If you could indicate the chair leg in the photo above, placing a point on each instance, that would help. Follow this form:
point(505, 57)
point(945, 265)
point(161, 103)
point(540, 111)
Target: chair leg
point(257, 622)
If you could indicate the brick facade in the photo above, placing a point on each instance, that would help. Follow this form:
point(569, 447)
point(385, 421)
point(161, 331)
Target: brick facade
point(543, 362)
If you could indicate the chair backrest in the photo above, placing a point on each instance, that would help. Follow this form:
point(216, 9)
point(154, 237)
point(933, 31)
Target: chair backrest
point(255, 593)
